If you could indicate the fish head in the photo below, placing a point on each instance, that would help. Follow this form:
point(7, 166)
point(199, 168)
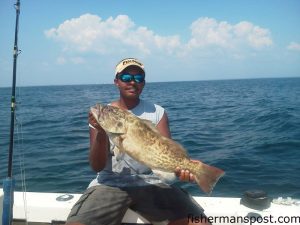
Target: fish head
point(110, 118)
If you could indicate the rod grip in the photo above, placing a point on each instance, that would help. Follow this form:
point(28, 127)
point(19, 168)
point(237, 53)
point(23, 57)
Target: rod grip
point(8, 201)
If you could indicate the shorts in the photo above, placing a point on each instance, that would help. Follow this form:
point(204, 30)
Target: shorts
point(105, 205)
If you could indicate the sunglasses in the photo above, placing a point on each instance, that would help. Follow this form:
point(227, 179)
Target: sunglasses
point(138, 78)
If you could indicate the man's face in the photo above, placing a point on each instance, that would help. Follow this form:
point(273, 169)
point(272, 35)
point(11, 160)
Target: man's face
point(130, 89)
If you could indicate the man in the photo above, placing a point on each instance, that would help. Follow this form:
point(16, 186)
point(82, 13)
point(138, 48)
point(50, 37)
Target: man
point(124, 183)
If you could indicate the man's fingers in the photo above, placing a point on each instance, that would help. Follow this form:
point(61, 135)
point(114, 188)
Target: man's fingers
point(184, 175)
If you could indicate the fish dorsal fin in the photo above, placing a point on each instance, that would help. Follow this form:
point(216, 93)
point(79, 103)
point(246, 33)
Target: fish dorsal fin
point(150, 124)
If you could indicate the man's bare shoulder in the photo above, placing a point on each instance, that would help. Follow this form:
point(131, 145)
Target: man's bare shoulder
point(114, 103)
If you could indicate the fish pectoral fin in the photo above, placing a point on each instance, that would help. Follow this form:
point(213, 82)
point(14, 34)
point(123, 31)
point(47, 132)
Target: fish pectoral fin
point(115, 131)
point(167, 177)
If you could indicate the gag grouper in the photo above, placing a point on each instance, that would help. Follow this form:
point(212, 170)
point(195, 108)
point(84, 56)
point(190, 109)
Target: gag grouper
point(142, 141)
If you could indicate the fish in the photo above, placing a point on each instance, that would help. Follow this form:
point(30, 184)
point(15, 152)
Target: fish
point(141, 140)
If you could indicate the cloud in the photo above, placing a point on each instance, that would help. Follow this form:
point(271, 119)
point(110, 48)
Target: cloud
point(294, 46)
point(209, 32)
point(90, 33)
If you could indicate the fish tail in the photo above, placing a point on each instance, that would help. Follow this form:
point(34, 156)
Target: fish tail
point(207, 177)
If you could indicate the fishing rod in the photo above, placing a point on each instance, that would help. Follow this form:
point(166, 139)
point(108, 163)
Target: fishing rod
point(8, 183)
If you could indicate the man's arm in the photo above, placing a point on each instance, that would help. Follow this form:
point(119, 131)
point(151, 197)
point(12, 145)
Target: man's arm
point(163, 126)
point(99, 145)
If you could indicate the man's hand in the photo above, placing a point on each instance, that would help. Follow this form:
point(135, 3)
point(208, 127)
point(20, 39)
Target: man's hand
point(184, 175)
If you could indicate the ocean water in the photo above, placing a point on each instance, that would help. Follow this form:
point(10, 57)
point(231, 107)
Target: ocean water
point(249, 128)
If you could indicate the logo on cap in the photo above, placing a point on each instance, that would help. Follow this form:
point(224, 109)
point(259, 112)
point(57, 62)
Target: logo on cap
point(128, 62)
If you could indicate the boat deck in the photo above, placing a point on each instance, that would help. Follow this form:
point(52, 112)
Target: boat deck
point(53, 208)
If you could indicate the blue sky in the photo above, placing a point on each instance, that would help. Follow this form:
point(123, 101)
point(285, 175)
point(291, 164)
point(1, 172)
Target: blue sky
point(80, 41)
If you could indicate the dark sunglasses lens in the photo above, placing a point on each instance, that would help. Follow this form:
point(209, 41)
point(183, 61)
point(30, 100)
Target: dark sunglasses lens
point(125, 77)
point(139, 78)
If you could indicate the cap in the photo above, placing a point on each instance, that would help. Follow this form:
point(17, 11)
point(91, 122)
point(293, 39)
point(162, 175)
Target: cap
point(128, 62)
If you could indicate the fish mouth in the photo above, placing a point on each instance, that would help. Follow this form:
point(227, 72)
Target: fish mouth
point(97, 111)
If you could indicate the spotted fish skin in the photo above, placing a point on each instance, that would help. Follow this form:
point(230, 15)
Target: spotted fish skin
point(142, 141)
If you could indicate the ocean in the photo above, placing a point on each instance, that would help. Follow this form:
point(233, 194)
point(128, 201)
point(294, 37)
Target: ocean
point(249, 128)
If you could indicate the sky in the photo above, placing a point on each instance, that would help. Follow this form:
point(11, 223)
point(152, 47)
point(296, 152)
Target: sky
point(67, 42)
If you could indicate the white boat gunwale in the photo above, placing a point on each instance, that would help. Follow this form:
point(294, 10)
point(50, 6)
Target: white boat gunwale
point(53, 208)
